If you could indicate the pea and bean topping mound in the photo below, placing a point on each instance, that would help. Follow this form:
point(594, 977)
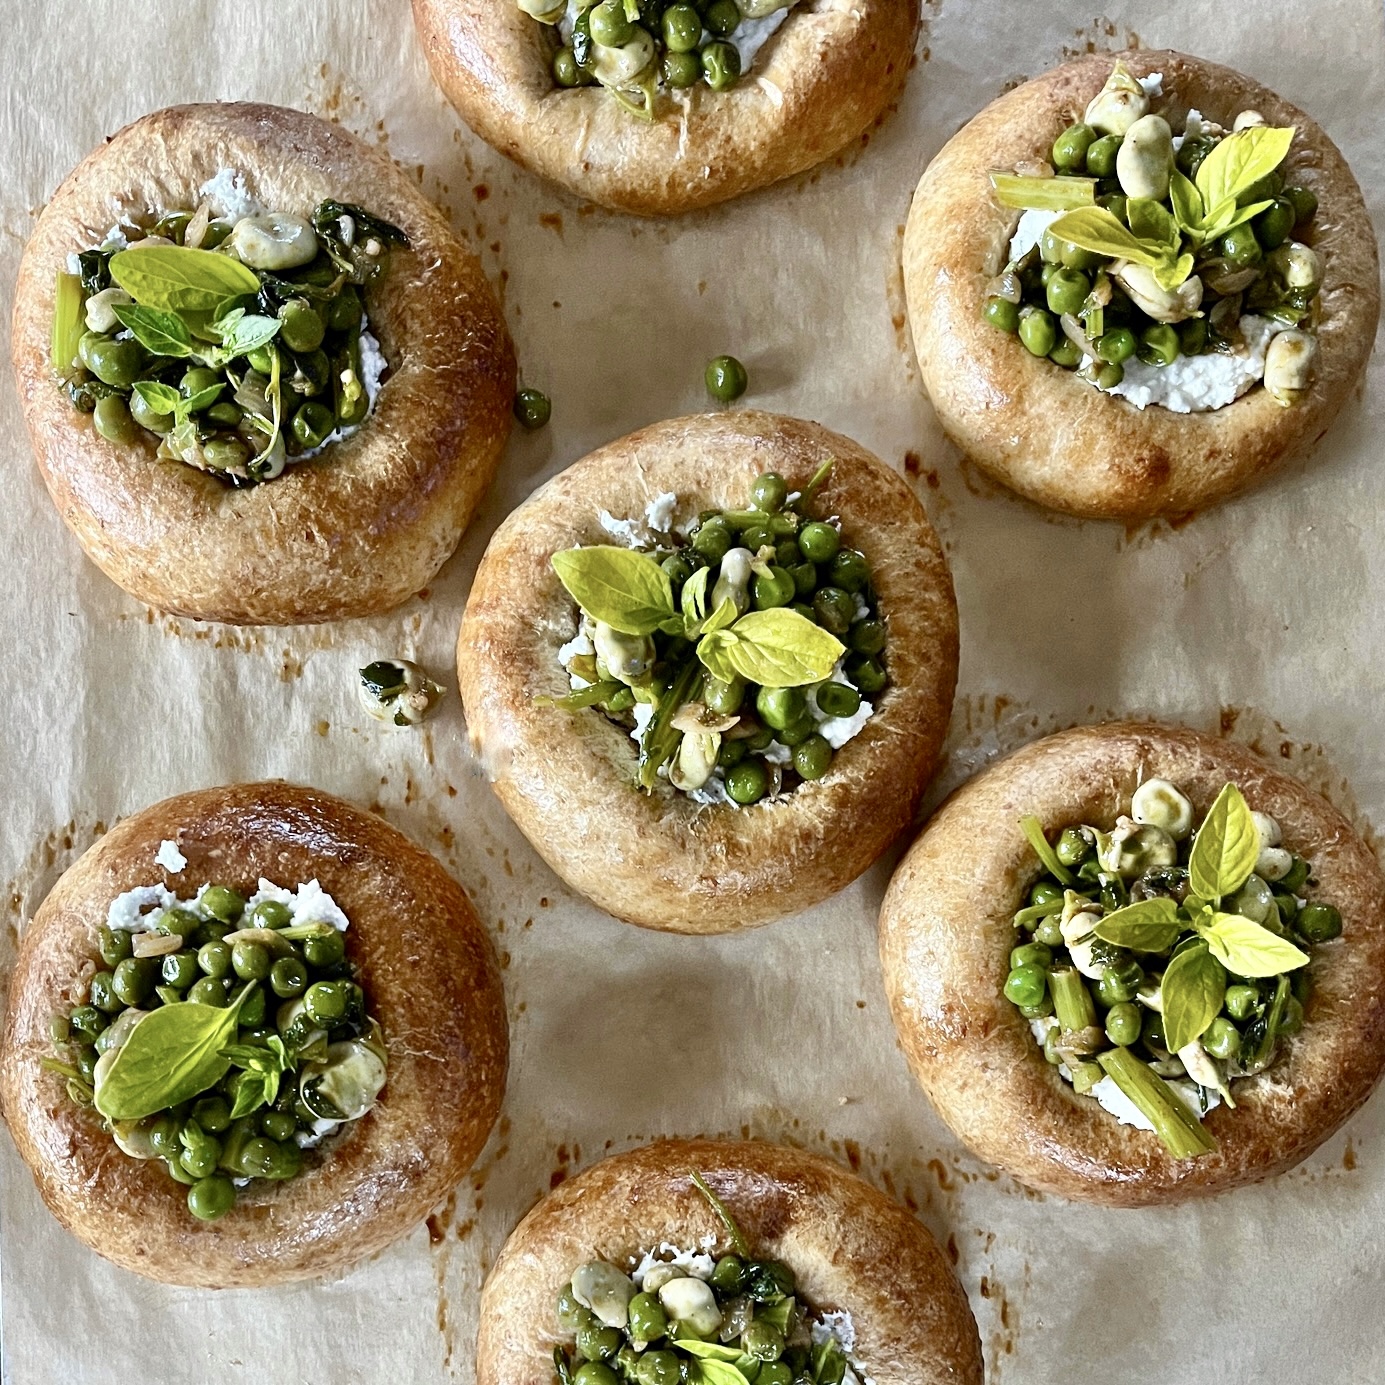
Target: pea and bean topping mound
point(222, 1035)
point(738, 655)
point(632, 47)
point(681, 1316)
point(1139, 247)
point(240, 346)
point(1157, 966)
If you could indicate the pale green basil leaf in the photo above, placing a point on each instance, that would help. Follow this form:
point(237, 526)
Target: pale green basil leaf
point(1226, 847)
point(1239, 161)
point(176, 279)
point(723, 617)
point(713, 651)
point(1150, 222)
point(1230, 216)
point(1100, 231)
point(163, 399)
point(1244, 947)
point(1193, 989)
point(225, 325)
point(1171, 271)
point(720, 1373)
point(779, 648)
point(626, 590)
point(161, 333)
point(707, 1351)
point(693, 600)
point(1151, 925)
point(1188, 210)
point(172, 1056)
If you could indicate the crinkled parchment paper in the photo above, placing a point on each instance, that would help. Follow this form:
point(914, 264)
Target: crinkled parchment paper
point(1258, 617)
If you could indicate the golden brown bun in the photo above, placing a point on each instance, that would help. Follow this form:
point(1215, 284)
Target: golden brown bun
point(430, 978)
point(822, 80)
point(851, 1248)
point(1040, 429)
point(352, 533)
point(568, 779)
point(946, 932)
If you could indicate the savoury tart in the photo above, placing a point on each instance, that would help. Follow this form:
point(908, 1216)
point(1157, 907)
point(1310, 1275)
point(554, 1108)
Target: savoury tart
point(948, 925)
point(573, 779)
point(819, 82)
point(352, 532)
point(415, 945)
point(1046, 432)
point(858, 1258)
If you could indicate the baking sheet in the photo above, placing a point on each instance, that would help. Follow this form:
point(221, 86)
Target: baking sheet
point(1253, 619)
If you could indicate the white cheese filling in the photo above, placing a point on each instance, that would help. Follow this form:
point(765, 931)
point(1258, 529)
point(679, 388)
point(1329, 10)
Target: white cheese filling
point(170, 858)
point(139, 910)
point(1196, 384)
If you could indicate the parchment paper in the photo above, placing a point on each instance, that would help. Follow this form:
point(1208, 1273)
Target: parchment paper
point(1258, 617)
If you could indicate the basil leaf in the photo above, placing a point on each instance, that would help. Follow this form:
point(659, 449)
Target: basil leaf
point(1229, 216)
point(172, 1056)
point(1239, 161)
point(1152, 925)
point(1033, 829)
point(173, 278)
point(1226, 848)
point(161, 333)
point(779, 648)
point(1149, 221)
point(1171, 272)
point(714, 651)
point(1188, 210)
point(707, 1351)
point(203, 399)
point(1100, 231)
point(1247, 949)
point(626, 590)
point(163, 399)
point(251, 1094)
point(1193, 988)
point(694, 600)
point(719, 1372)
point(723, 617)
point(249, 333)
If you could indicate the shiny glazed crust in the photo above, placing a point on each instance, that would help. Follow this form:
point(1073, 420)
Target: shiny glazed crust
point(945, 937)
point(851, 1248)
point(358, 530)
point(430, 978)
point(818, 83)
point(1040, 429)
point(568, 779)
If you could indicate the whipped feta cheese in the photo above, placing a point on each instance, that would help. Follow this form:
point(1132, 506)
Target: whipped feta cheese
point(1153, 84)
point(580, 643)
point(658, 514)
point(712, 792)
point(836, 731)
point(627, 531)
point(170, 858)
point(229, 196)
point(697, 1263)
point(310, 903)
point(138, 910)
point(1030, 231)
point(1195, 384)
point(753, 34)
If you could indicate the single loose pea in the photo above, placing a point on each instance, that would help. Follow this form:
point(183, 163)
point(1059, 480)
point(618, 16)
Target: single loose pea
point(1031, 955)
point(180, 969)
point(1002, 313)
point(1159, 345)
point(1049, 932)
point(210, 1198)
point(648, 1321)
point(114, 945)
point(1319, 923)
point(324, 949)
point(868, 674)
point(1240, 246)
point(724, 697)
point(288, 977)
point(250, 961)
point(278, 1126)
point(163, 1136)
point(1066, 354)
point(1045, 892)
point(86, 1022)
point(1101, 156)
point(747, 782)
point(838, 700)
point(731, 753)
point(1242, 1001)
point(660, 1368)
point(596, 1342)
point(769, 492)
point(1026, 985)
point(681, 70)
point(1118, 205)
point(755, 537)
point(270, 913)
point(148, 417)
point(679, 568)
point(812, 758)
point(325, 1002)
point(1192, 336)
point(1037, 331)
point(682, 26)
point(728, 1275)
point(199, 379)
point(596, 1372)
point(113, 420)
point(225, 454)
point(1304, 202)
point(819, 542)
point(712, 541)
point(1116, 346)
point(761, 1340)
point(533, 409)
point(212, 1114)
point(1067, 291)
point(311, 424)
point(1275, 224)
point(1109, 376)
point(214, 958)
point(849, 571)
point(1222, 1039)
point(114, 363)
point(721, 64)
point(725, 376)
point(132, 981)
point(609, 26)
point(1297, 876)
point(571, 1314)
point(223, 903)
point(775, 590)
point(565, 70)
point(796, 732)
point(723, 17)
point(834, 608)
point(102, 993)
point(1070, 148)
point(345, 311)
point(778, 707)
point(867, 636)
point(210, 990)
point(252, 1011)
point(301, 328)
point(1123, 1023)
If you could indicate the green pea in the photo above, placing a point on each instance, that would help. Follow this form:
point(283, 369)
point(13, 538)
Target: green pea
point(849, 571)
point(661, 1368)
point(1039, 1011)
point(258, 1158)
point(571, 1314)
point(532, 409)
point(1319, 923)
point(102, 993)
point(761, 1340)
point(834, 608)
point(1222, 1039)
point(1119, 983)
point(1002, 313)
point(726, 377)
point(180, 969)
point(214, 958)
point(261, 359)
point(1026, 985)
point(1116, 346)
point(212, 1113)
point(250, 961)
point(868, 674)
point(200, 1159)
point(682, 28)
point(1242, 1001)
point(311, 424)
point(721, 64)
point(838, 700)
point(1191, 153)
point(1240, 246)
point(210, 990)
point(1123, 1023)
point(1070, 148)
point(755, 537)
point(1037, 331)
point(769, 492)
point(797, 731)
point(210, 1198)
point(775, 1373)
point(1109, 376)
point(270, 913)
point(1117, 204)
point(1159, 345)
point(1031, 955)
point(778, 707)
point(724, 698)
point(223, 903)
point(747, 782)
point(819, 542)
point(773, 591)
point(278, 1126)
point(1304, 203)
point(84, 1060)
point(226, 454)
point(679, 568)
point(112, 419)
point(1045, 892)
point(1297, 876)
point(596, 1342)
point(609, 26)
point(867, 636)
point(786, 554)
point(648, 1321)
point(172, 225)
point(86, 1022)
point(1066, 354)
point(803, 609)
point(728, 1275)
point(712, 541)
point(148, 417)
point(1067, 291)
point(812, 757)
point(1101, 156)
point(680, 70)
point(723, 17)
point(1293, 1017)
point(565, 70)
point(325, 1002)
point(163, 1136)
point(325, 949)
point(133, 980)
point(177, 1172)
point(114, 363)
point(731, 753)
point(345, 311)
point(114, 944)
point(1275, 224)
point(596, 1372)
point(288, 977)
point(1192, 336)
